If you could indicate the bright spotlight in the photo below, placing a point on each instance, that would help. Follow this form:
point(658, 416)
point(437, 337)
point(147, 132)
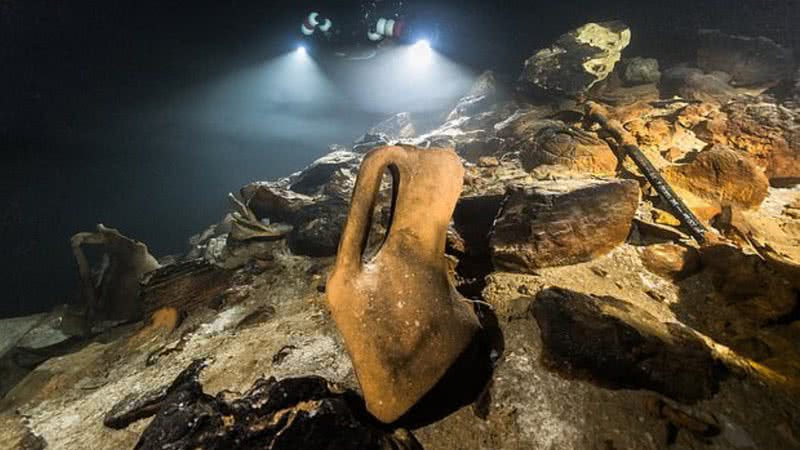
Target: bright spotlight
point(421, 52)
point(301, 50)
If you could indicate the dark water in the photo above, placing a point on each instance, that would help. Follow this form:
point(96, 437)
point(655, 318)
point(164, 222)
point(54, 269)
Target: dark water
point(143, 115)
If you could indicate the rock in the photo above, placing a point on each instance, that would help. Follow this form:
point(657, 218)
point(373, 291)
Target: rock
point(640, 71)
point(693, 84)
point(616, 344)
point(318, 228)
point(308, 413)
point(578, 59)
point(721, 176)
point(749, 283)
point(369, 141)
point(481, 96)
point(315, 177)
point(672, 154)
point(768, 133)
point(17, 436)
point(488, 161)
point(555, 224)
point(523, 123)
point(671, 260)
point(796, 90)
point(570, 149)
point(621, 95)
point(472, 151)
point(317, 213)
point(399, 126)
point(750, 61)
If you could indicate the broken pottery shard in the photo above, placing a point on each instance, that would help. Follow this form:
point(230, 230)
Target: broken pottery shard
point(116, 295)
point(402, 321)
point(721, 176)
point(569, 149)
point(561, 223)
point(749, 60)
point(620, 346)
point(578, 59)
point(297, 413)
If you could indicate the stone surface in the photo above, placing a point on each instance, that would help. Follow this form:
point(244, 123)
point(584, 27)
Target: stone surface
point(749, 60)
point(569, 149)
point(578, 59)
point(399, 126)
point(640, 71)
point(612, 342)
point(556, 224)
point(721, 176)
point(480, 98)
point(671, 260)
point(694, 84)
point(764, 131)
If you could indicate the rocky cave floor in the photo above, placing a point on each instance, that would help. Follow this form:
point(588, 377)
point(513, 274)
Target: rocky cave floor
point(606, 326)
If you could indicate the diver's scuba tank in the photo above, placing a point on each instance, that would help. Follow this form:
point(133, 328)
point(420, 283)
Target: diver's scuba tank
point(313, 22)
point(401, 30)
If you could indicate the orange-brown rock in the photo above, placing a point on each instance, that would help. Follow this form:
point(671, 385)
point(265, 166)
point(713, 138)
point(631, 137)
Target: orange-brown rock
point(721, 176)
point(749, 283)
point(672, 154)
point(671, 260)
point(557, 224)
point(568, 149)
point(766, 132)
point(651, 134)
point(402, 321)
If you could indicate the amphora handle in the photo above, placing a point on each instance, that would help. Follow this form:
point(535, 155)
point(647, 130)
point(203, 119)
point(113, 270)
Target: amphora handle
point(356, 231)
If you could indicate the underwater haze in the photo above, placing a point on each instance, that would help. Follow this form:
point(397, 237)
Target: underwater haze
point(144, 115)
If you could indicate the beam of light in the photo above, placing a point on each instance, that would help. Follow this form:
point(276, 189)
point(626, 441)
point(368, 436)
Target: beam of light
point(397, 80)
point(420, 54)
point(301, 51)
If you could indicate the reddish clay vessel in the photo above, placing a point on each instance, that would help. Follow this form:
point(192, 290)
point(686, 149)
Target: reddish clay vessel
point(402, 320)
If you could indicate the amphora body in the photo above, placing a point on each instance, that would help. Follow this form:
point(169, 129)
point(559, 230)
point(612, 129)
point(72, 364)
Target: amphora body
point(402, 320)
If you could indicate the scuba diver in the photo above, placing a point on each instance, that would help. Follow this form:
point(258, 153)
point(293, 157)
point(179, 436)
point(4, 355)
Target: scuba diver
point(375, 25)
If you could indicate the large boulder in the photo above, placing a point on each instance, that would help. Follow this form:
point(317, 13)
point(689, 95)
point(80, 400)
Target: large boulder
point(562, 223)
point(694, 84)
point(569, 149)
point(722, 176)
point(619, 345)
point(640, 71)
point(578, 59)
point(749, 60)
point(768, 133)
